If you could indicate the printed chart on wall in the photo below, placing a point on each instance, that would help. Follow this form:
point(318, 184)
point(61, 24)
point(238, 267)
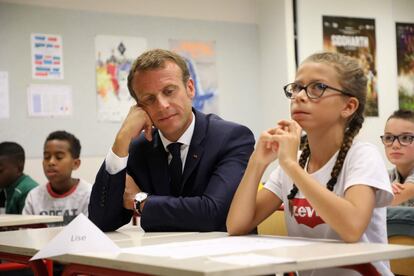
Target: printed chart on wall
point(114, 58)
point(46, 100)
point(355, 37)
point(201, 60)
point(405, 62)
point(47, 58)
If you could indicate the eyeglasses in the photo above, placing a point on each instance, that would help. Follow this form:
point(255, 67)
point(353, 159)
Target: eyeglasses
point(403, 139)
point(313, 90)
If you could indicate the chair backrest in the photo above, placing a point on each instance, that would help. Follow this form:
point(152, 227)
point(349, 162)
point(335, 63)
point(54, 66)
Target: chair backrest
point(402, 266)
point(400, 226)
point(273, 225)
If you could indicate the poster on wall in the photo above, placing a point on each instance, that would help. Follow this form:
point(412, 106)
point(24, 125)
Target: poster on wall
point(4, 95)
point(355, 37)
point(114, 58)
point(201, 60)
point(46, 100)
point(405, 63)
point(47, 58)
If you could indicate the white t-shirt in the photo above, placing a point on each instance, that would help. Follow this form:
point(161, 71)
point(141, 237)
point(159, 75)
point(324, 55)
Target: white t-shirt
point(42, 200)
point(363, 165)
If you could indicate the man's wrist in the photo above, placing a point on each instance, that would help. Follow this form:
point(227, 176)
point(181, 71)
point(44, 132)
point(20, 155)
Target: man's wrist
point(139, 202)
point(114, 163)
point(120, 147)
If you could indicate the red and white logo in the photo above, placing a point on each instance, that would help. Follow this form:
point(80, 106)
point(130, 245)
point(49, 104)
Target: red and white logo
point(305, 214)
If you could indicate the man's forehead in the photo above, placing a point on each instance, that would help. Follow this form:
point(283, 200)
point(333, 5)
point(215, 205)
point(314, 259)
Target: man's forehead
point(155, 84)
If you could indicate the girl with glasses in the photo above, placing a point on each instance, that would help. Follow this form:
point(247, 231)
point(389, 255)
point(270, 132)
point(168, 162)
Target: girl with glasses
point(399, 147)
point(338, 188)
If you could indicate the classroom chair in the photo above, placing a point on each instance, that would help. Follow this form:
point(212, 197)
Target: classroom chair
point(400, 227)
point(273, 225)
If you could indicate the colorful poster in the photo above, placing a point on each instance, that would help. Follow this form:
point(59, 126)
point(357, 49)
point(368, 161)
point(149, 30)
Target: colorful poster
point(355, 37)
point(405, 63)
point(114, 58)
point(201, 60)
point(47, 58)
point(49, 100)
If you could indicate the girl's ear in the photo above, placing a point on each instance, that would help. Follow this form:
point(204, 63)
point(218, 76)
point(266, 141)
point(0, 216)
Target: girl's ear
point(350, 107)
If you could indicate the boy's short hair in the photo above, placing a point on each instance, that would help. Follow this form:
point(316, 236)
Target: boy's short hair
point(13, 152)
point(75, 146)
point(404, 114)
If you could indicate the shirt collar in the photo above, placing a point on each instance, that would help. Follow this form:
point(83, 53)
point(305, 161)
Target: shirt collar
point(185, 139)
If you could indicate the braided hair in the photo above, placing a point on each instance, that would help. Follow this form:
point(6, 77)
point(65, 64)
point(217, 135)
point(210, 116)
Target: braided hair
point(353, 81)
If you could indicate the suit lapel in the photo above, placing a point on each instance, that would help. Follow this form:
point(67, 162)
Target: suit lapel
point(196, 149)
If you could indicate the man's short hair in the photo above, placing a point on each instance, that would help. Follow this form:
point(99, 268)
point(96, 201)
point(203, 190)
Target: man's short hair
point(13, 152)
point(75, 146)
point(155, 59)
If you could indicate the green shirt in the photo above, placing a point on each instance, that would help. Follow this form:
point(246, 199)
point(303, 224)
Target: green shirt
point(17, 192)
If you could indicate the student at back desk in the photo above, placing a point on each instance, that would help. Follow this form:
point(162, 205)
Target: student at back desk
point(63, 195)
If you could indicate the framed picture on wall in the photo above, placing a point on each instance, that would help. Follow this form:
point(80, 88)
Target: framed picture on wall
point(355, 37)
point(405, 64)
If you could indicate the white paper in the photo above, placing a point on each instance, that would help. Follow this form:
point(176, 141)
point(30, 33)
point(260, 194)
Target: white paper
point(79, 236)
point(47, 58)
point(49, 100)
point(250, 259)
point(211, 247)
point(4, 95)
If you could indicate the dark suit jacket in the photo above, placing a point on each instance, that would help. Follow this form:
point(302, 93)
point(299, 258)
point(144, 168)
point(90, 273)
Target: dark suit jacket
point(216, 160)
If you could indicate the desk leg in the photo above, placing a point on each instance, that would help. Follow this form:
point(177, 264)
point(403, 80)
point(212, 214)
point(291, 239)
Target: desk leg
point(49, 266)
point(39, 267)
point(75, 269)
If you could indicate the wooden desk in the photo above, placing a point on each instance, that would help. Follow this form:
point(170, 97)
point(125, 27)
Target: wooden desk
point(319, 255)
point(27, 220)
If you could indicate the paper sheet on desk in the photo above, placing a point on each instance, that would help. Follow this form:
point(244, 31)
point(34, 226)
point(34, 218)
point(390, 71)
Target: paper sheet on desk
point(211, 247)
point(80, 235)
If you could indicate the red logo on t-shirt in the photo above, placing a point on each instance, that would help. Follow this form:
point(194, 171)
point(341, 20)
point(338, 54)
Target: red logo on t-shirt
point(305, 214)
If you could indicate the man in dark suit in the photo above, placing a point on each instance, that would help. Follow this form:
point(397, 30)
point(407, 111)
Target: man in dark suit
point(140, 171)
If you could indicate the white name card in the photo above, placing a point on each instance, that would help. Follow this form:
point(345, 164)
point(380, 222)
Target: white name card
point(79, 236)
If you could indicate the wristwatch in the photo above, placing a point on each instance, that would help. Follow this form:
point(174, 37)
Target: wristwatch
point(139, 198)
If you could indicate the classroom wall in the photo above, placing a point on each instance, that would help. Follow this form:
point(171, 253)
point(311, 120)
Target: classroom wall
point(236, 56)
point(277, 61)
point(385, 13)
point(242, 11)
point(259, 44)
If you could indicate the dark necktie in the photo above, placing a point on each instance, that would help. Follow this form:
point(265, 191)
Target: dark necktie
point(175, 167)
